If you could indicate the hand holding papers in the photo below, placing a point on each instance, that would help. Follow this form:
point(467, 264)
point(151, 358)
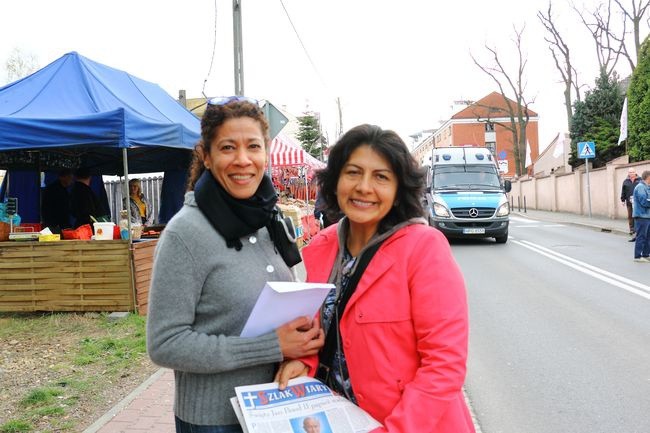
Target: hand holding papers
point(305, 402)
point(281, 302)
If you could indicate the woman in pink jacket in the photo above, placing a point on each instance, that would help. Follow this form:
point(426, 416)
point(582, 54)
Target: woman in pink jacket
point(398, 347)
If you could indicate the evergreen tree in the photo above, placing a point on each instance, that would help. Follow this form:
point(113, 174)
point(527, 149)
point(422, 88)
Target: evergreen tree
point(597, 119)
point(309, 135)
point(638, 107)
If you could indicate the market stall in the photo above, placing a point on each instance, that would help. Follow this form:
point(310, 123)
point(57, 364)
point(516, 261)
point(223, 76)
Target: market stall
point(78, 113)
point(292, 170)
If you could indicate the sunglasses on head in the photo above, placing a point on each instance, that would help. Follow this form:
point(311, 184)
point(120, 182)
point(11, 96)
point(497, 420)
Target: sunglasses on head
point(223, 100)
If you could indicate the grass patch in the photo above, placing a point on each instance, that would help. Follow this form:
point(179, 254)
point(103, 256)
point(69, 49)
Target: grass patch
point(58, 425)
point(15, 426)
point(49, 411)
point(111, 351)
point(75, 384)
point(41, 396)
point(75, 359)
point(39, 324)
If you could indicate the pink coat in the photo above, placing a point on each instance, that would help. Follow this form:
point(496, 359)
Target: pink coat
point(404, 331)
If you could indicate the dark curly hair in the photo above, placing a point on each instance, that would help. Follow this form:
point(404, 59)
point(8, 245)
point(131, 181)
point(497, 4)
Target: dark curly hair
point(410, 176)
point(213, 118)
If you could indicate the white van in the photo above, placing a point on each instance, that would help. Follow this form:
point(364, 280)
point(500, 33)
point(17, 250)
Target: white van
point(466, 197)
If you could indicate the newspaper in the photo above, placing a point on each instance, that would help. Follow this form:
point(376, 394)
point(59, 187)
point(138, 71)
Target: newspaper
point(306, 405)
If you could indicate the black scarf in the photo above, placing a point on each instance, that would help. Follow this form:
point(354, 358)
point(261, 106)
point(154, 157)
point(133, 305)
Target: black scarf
point(235, 218)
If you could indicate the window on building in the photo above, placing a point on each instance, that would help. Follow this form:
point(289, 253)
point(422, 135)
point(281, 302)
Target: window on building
point(489, 127)
point(492, 147)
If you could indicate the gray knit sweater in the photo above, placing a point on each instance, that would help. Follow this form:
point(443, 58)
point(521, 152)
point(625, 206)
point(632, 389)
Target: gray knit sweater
point(201, 295)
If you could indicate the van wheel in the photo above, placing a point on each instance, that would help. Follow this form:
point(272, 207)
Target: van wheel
point(501, 239)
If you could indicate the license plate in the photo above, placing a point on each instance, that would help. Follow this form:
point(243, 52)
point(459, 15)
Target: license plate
point(474, 231)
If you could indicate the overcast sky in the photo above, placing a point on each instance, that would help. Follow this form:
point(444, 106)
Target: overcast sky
point(399, 64)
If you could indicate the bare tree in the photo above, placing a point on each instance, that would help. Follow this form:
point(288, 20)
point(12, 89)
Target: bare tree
point(635, 16)
point(608, 47)
point(517, 112)
point(562, 58)
point(20, 64)
point(611, 40)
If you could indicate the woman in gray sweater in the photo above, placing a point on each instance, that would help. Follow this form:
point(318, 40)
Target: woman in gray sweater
point(211, 262)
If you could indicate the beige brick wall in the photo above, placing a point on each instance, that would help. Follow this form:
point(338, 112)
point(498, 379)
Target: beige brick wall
point(568, 192)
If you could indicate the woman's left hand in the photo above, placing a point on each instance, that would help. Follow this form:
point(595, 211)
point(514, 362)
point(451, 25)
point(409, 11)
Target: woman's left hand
point(289, 370)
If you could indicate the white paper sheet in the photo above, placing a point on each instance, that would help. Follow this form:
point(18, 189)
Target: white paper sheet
point(281, 302)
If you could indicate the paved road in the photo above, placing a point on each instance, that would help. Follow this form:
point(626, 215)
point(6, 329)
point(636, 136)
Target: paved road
point(560, 331)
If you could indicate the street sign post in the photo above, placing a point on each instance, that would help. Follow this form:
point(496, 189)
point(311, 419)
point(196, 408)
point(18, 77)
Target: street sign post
point(277, 121)
point(587, 150)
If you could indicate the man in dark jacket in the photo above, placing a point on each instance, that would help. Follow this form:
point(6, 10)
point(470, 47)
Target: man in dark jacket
point(84, 201)
point(55, 203)
point(629, 183)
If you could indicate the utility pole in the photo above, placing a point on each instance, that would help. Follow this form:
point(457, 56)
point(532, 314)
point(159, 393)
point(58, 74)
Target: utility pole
point(238, 47)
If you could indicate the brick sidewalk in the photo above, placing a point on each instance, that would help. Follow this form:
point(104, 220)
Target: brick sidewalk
point(149, 408)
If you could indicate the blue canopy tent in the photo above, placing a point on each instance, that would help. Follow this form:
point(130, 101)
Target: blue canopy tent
point(76, 112)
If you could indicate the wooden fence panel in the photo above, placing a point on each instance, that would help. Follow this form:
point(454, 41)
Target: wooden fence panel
point(143, 264)
point(66, 276)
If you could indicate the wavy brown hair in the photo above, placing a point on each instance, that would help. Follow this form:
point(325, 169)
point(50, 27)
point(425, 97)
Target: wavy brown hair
point(213, 118)
point(410, 176)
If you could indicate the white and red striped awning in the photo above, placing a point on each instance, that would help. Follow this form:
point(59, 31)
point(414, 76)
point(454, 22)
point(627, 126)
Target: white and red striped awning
point(285, 152)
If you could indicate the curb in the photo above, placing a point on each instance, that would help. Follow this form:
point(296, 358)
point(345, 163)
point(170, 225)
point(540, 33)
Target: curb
point(468, 402)
point(104, 419)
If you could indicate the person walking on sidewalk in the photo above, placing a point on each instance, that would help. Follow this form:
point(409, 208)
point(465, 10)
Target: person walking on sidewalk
point(211, 263)
point(642, 218)
point(630, 182)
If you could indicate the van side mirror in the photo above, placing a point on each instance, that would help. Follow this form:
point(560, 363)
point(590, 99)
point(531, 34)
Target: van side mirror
point(507, 185)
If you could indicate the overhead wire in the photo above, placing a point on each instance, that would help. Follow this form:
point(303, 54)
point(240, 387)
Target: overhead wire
point(313, 65)
point(214, 47)
point(320, 77)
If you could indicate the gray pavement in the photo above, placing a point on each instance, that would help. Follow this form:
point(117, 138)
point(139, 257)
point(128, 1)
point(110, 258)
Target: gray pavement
point(149, 407)
point(596, 222)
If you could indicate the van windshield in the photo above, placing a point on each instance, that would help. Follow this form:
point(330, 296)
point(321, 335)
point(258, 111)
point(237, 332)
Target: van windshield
point(466, 177)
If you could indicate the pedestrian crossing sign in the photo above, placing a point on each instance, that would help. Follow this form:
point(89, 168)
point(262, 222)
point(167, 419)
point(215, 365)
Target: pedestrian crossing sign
point(586, 149)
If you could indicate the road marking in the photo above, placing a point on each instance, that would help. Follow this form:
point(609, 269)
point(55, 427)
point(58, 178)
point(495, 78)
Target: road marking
point(523, 220)
point(601, 274)
point(537, 226)
point(468, 402)
point(531, 223)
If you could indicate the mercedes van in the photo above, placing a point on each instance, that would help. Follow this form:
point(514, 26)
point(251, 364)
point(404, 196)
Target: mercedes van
point(466, 196)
